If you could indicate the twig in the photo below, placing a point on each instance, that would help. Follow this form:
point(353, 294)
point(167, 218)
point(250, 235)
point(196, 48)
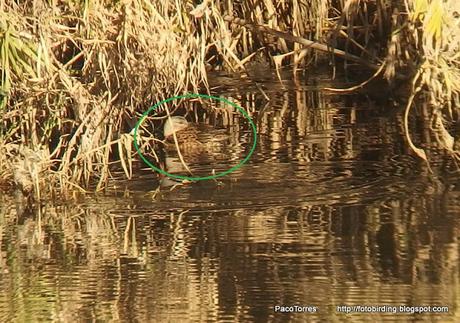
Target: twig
point(356, 87)
point(303, 41)
point(418, 151)
point(177, 144)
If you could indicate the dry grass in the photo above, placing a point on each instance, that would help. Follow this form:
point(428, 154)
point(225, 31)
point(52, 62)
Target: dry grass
point(435, 39)
point(75, 76)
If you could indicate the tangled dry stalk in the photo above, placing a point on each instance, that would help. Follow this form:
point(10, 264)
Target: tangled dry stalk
point(74, 75)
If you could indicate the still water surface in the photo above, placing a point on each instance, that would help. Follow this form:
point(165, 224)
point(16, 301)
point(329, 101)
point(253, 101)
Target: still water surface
point(330, 211)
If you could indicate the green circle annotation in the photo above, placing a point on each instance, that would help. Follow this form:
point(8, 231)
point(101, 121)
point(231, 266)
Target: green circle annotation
point(191, 96)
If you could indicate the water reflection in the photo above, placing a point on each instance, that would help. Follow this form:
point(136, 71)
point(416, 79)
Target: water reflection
point(330, 211)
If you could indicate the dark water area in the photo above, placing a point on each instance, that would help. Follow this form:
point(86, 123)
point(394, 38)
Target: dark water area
point(331, 214)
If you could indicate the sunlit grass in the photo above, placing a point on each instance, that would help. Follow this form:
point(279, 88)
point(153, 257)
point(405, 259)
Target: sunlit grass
point(74, 75)
point(435, 30)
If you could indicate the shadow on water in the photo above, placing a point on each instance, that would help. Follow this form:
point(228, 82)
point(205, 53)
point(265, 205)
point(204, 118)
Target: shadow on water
point(330, 211)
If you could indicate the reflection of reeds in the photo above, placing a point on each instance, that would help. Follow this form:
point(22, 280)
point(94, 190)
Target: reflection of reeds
point(110, 259)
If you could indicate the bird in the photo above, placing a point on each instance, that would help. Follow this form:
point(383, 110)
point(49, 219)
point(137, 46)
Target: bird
point(196, 144)
point(28, 165)
point(28, 170)
point(186, 134)
point(190, 136)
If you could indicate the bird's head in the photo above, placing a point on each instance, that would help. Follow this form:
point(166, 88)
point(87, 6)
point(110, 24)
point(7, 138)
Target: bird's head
point(174, 124)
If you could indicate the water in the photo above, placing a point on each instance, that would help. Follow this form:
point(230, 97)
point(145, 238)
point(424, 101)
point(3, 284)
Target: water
point(330, 212)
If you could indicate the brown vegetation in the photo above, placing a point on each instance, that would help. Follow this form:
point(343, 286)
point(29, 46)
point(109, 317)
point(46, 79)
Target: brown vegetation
point(76, 75)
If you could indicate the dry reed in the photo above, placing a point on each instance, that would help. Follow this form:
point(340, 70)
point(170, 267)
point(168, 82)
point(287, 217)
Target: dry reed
point(76, 75)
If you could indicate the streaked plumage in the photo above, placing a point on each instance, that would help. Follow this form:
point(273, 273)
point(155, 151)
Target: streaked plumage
point(191, 136)
point(186, 134)
point(198, 145)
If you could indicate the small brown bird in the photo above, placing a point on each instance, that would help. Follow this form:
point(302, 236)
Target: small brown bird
point(192, 136)
point(198, 145)
point(186, 134)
